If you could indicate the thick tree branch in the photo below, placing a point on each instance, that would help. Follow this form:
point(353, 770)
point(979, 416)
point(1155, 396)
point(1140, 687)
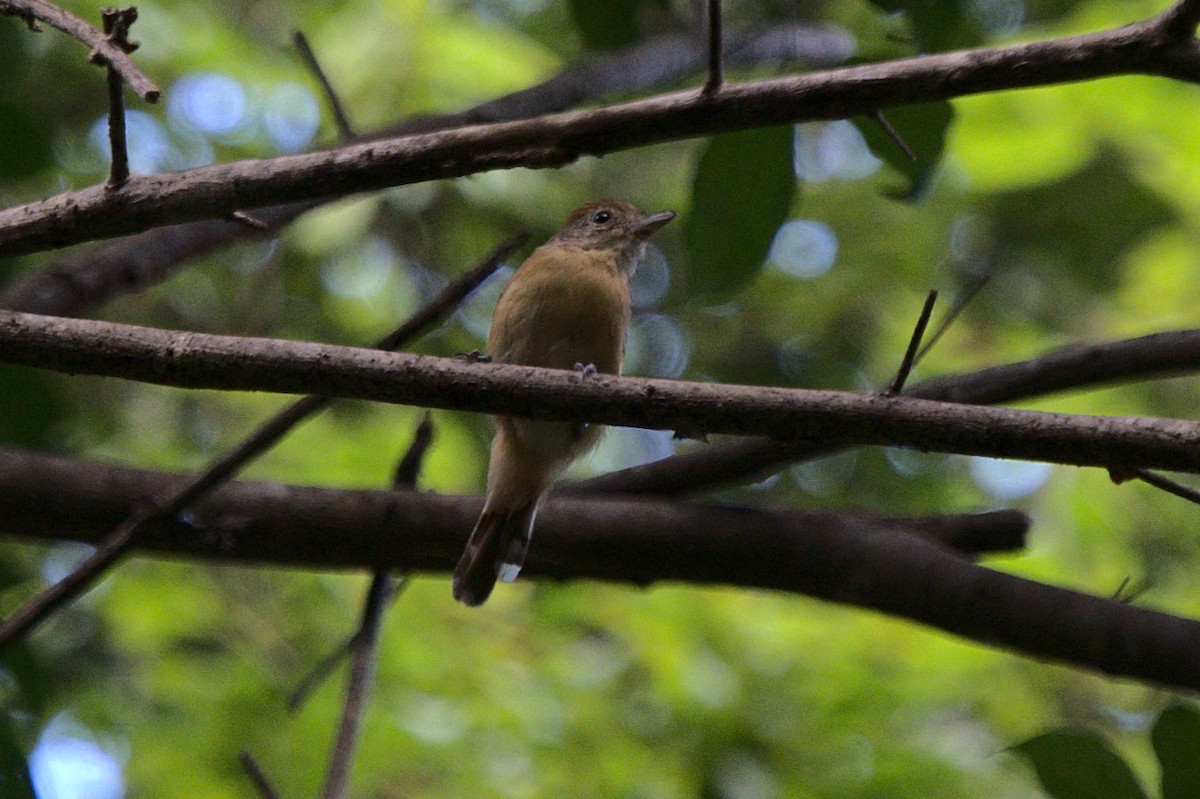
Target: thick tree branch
point(104, 50)
point(859, 562)
point(82, 501)
point(551, 141)
point(194, 360)
point(1076, 367)
point(1181, 19)
point(83, 280)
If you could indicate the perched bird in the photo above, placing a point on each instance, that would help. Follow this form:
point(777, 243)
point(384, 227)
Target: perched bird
point(566, 307)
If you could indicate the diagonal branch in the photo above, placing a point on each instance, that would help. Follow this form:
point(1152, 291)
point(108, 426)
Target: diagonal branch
point(194, 360)
point(859, 562)
point(1076, 367)
point(81, 281)
point(104, 50)
point(557, 140)
point(125, 535)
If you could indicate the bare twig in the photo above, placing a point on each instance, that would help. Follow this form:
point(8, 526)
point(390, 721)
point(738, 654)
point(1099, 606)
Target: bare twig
point(116, 26)
point(409, 466)
point(910, 354)
point(362, 666)
point(28, 616)
point(103, 50)
point(557, 140)
point(964, 299)
point(325, 666)
point(715, 46)
point(345, 129)
point(1158, 481)
point(407, 471)
point(894, 134)
point(257, 776)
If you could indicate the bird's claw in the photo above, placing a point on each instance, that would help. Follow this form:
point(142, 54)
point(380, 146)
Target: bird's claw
point(474, 356)
point(586, 370)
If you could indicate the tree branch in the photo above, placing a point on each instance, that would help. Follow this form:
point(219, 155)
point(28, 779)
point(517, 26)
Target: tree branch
point(860, 562)
point(104, 51)
point(364, 644)
point(556, 140)
point(1076, 367)
point(125, 534)
point(117, 22)
point(1181, 19)
point(194, 360)
point(83, 280)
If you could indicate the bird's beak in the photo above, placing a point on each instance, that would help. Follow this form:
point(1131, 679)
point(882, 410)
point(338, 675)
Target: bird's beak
point(646, 228)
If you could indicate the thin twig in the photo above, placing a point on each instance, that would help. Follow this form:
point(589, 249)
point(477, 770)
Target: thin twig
point(363, 647)
point(345, 129)
point(257, 775)
point(964, 299)
point(362, 666)
point(407, 470)
point(1158, 481)
point(325, 666)
point(914, 343)
point(715, 48)
point(116, 26)
point(103, 50)
point(29, 615)
point(409, 466)
point(894, 134)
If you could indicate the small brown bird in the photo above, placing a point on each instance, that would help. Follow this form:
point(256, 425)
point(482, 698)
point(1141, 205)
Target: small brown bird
point(566, 307)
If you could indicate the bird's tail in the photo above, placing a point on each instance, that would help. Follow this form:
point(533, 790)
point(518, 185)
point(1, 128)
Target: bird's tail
point(496, 551)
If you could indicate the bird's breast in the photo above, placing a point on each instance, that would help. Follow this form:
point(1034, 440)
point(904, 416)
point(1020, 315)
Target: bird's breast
point(563, 306)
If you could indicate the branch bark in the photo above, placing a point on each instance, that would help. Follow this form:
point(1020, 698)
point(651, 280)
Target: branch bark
point(81, 281)
point(1079, 366)
point(856, 561)
point(104, 50)
point(556, 140)
point(194, 360)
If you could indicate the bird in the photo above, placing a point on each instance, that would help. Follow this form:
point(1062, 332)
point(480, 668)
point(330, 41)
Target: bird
point(567, 306)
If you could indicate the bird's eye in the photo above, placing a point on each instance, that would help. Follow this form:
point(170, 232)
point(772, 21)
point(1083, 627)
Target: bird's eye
point(600, 217)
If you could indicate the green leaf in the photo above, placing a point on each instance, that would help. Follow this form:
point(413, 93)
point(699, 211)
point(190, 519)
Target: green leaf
point(1072, 765)
point(922, 127)
point(743, 190)
point(606, 24)
point(1082, 223)
point(1176, 738)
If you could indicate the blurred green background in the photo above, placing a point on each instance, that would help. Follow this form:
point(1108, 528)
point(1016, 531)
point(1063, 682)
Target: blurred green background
point(802, 258)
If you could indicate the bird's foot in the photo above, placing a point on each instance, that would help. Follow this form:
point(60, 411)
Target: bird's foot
point(586, 370)
point(474, 356)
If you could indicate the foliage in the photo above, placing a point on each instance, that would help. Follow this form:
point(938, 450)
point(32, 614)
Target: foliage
point(1072, 765)
point(1079, 202)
